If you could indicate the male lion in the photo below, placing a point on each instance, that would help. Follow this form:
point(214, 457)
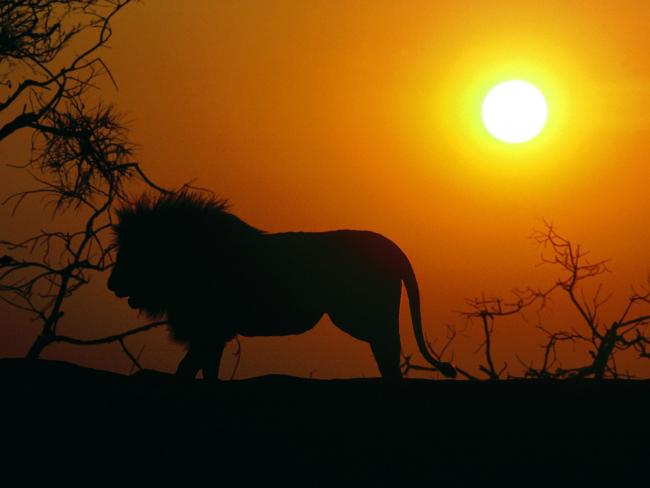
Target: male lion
point(214, 276)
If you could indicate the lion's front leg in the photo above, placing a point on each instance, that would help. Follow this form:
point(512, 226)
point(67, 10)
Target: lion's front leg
point(207, 358)
point(212, 361)
point(189, 365)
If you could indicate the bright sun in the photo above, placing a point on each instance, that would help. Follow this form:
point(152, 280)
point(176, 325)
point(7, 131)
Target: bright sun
point(514, 111)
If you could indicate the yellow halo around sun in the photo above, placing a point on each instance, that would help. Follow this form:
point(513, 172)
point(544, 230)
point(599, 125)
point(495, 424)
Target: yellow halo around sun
point(514, 111)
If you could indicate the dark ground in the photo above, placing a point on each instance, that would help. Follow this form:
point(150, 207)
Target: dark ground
point(274, 429)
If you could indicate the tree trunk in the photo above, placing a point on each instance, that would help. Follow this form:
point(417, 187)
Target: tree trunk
point(41, 342)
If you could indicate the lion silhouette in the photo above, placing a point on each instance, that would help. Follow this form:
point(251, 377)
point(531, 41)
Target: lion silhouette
point(186, 256)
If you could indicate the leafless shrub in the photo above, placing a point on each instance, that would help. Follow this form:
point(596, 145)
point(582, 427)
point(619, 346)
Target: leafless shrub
point(602, 340)
point(81, 156)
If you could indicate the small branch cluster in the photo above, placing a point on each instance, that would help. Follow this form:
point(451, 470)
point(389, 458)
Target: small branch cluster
point(81, 156)
point(37, 74)
point(602, 340)
point(407, 365)
point(488, 309)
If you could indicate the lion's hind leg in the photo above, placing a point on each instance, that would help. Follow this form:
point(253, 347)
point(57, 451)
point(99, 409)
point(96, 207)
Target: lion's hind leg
point(375, 321)
point(387, 354)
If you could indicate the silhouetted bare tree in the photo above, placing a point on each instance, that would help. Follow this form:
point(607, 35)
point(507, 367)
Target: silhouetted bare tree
point(488, 309)
point(81, 157)
point(601, 340)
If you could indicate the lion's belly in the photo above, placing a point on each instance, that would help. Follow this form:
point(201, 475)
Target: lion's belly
point(269, 322)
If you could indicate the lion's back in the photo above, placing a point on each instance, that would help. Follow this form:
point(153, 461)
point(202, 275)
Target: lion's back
point(326, 261)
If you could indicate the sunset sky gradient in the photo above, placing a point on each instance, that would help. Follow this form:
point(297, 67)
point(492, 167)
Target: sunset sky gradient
point(366, 115)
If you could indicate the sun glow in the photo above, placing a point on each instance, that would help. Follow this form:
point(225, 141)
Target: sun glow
point(514, 111)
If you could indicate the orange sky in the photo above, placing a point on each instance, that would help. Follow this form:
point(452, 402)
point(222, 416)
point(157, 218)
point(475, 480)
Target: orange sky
point(333, 114)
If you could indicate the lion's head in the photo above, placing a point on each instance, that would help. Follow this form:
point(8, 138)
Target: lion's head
point(169, 248)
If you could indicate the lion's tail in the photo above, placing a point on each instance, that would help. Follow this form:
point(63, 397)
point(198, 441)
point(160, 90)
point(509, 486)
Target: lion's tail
point(413, 292)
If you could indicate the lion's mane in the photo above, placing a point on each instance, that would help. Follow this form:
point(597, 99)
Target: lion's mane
point(179, 244)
